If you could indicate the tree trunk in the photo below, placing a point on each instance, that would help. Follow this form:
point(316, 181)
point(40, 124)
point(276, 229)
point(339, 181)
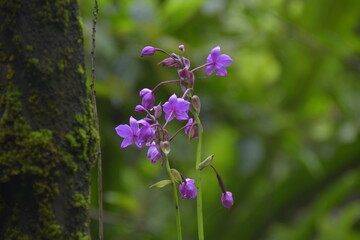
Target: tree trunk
point(47, 134)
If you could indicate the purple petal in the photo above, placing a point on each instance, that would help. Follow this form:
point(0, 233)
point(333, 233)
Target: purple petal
point(189, 180)
point(220, 71)
point(182, 105)
point(153, 154)
point(181, 116)
point(134, 125)
point(145, 134)
point(224, 60)
point(138, 142)
point(127, 141)
point(209, 70)
point(166, 107)
point(214, 54)
point(173, 100)
point(169, 116)
point(123, 131)
point(144, 91)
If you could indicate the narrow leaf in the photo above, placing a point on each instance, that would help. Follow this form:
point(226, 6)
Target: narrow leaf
point(161, 183)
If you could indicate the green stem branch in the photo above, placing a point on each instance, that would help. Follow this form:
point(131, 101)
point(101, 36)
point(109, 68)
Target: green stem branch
point(176, 198)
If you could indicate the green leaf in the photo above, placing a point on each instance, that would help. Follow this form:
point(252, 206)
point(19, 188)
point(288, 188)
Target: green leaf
point(161, 183)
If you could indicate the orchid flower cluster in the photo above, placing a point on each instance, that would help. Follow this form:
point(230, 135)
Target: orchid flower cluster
point(151, 133)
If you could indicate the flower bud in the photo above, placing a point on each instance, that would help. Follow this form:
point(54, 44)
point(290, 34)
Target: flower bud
point(176, 175)
point(148, 51)
point(188, 189)
point(182, 47)
point(227, 200)
point(139, 109)
point(206, 162)
point(192, 129)
point(158, 111)
point(169, 62)
point(148, 98)
point(165, 147)
point(195, 103)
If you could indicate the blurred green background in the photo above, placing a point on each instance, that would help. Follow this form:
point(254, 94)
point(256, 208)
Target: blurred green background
point(283, 125)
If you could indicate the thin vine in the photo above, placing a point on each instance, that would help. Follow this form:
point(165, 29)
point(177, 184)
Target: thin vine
point(93, 100)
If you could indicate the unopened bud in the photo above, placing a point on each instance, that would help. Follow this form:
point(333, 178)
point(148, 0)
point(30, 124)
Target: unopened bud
point(206, 162)
point(165, 147)
point(158, 111)
point(195, 103)
point(182, 47)
point(191, 132)
point(139, 109)
point(148, 51)
point(169, 62)
point(176, 175)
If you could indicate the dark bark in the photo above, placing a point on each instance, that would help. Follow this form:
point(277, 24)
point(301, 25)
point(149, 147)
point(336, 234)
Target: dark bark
point(47, 135)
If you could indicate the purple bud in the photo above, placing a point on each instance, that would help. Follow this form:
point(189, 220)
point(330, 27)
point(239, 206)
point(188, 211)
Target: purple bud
point(139, 109)
point(169, 62)
point(187, 78)
point(188, 189)
point(182, 47)
point(148, 98)
point(227, 200)
point(186, 62)
point(148, 51)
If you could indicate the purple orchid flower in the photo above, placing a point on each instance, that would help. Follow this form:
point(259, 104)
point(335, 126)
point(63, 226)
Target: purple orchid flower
point(188, 189)
point(153, 154)
point(218, 62)
point(148, 98)
point(176, 107)
point(146, 132)
point(132, 133)
point(227, 200)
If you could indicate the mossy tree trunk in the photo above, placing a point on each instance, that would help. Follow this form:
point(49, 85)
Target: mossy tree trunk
point(47, 135)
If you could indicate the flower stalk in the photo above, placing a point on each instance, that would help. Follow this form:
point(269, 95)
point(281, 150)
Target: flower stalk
point(176, 198)
point(198, 180)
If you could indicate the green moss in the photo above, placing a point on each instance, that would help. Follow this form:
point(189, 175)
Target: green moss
point(2, 57)
point(80, 236)
point(52, 166)
point(72, 140)
point(36, 153)
point(10, 71)
point(80, 69)
point(34, 61)
point(80, 200)
point(62, 65)
point(80, 23)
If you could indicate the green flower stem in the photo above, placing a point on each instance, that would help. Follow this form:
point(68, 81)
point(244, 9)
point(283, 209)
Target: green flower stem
point(176, 198)
point(198, 181)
